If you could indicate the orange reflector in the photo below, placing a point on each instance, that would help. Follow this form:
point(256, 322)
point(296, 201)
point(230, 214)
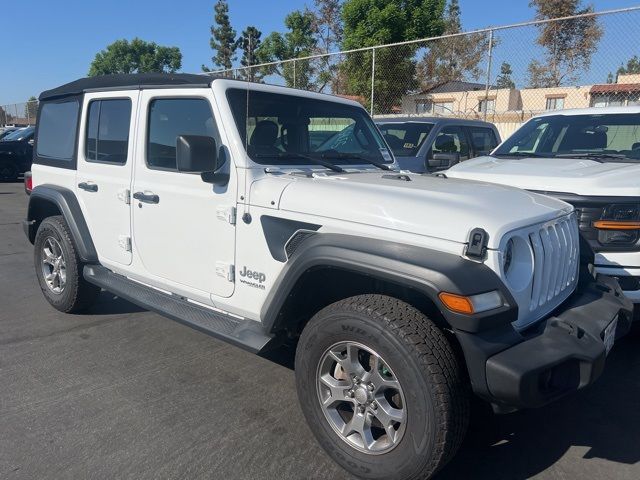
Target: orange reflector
point(612, 225)
point(456, 303)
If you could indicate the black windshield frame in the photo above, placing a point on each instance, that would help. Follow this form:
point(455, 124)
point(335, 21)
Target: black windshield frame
point(292, 116)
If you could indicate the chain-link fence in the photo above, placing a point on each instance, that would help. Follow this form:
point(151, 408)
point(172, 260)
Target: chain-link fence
point(504, 75)
point(19, 114)
point(501, 74)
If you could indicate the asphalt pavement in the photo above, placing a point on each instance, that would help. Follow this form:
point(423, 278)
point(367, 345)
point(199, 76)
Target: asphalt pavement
point(120, 392)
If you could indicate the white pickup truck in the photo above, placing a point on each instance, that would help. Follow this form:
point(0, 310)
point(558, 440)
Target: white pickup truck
point(589, 158)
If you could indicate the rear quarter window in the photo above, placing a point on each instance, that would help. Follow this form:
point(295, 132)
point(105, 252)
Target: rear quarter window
point(57, 128)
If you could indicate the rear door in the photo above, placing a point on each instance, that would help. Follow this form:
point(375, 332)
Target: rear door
point(105, 157)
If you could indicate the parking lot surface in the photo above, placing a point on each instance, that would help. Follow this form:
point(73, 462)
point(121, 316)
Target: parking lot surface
point(124, 393)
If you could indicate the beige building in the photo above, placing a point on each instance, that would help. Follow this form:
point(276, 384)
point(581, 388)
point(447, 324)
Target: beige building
point(509, 108)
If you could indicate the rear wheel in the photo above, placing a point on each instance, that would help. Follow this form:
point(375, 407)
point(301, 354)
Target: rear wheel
point(59, 269)
point(381, 388)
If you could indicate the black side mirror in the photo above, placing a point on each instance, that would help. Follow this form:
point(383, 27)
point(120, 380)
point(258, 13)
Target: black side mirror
point(199, 154)
point(442, 161)
point(196, 154)
point(220, 176)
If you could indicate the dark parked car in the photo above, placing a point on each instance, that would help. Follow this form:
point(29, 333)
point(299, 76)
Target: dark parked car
point(5, 131)
point(431, 144)
point(16, 150)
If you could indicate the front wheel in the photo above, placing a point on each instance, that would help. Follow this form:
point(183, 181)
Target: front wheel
point(381, 388)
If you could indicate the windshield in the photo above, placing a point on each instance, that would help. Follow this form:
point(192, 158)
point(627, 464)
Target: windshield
point(290, 130)
point(21, 134)
point(405, 139)
point(604, 137)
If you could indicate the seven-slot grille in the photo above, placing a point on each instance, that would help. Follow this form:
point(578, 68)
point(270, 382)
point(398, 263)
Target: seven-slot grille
point(556, 257)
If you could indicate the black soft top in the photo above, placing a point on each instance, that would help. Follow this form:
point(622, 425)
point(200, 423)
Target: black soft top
point(134, 81)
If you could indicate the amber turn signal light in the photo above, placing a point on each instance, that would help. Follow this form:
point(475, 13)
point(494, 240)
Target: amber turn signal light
point(613, 225)
point(456, 303)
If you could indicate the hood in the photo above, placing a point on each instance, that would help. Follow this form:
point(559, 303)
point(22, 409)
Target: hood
point(562, 175)
point(426, 205)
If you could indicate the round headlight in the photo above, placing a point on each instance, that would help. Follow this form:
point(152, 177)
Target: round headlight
point(517, 263)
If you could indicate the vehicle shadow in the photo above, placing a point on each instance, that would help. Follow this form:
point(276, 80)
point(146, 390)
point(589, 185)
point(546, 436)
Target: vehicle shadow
point(603, 419)
point(109, 304)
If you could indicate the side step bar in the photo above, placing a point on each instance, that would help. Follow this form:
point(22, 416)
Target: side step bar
point(247, 334)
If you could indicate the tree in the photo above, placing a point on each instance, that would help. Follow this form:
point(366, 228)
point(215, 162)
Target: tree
point(136, 56)
point(298, 41)
point(223, 38)
point(377, 22)
point(632, 66)
point(249, 42)
point(504, 80)
point(569, 44)
point(329, 33)
point(31, 108)
point(453, 58)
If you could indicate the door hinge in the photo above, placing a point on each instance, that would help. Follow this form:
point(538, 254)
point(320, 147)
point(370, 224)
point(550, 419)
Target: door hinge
point(125, 196)
point(125, 242)
point(225, 270)
point(227, 214)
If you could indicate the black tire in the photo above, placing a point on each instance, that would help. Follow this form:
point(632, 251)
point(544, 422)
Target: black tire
point(424, 363)
point(8, 171)
point(77, 294)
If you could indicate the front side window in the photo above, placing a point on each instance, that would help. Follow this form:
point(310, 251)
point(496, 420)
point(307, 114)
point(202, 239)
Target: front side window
point(451, 140)
point(405, 139)
point(279, 129)
point(483, 139)
point(108, 131)
point(606, 137)
point(170, 118)
point(57, 127)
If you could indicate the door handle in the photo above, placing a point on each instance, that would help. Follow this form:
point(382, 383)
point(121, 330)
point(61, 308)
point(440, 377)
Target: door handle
point(146, 197)
point(88, 186)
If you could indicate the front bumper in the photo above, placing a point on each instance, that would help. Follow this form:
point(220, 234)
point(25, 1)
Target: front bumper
point(567, 351)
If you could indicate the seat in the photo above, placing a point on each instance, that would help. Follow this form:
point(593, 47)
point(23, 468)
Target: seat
point(264, 138)
point(445, 144)
point(635, 146)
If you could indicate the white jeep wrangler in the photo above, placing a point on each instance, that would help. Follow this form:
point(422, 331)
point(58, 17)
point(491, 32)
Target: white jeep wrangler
point(589, 158)
point(267, 216)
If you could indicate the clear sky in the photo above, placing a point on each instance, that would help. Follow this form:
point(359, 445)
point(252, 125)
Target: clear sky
point(47, 43)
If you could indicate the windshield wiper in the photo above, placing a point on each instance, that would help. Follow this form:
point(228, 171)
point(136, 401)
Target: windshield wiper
point(519, 154)
point(356, 156)
point(595, 156)
point(291, 155)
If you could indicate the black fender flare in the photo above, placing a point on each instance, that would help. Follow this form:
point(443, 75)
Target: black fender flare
point(42, 198)
point(423, 269)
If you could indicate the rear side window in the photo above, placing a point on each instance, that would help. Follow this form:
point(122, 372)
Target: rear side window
point(168, 119)
point(484, 140)
point(108, 131)
point(57, 127)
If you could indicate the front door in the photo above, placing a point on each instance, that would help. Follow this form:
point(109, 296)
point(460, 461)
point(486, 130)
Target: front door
point(105, 159)
point(183, 231)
